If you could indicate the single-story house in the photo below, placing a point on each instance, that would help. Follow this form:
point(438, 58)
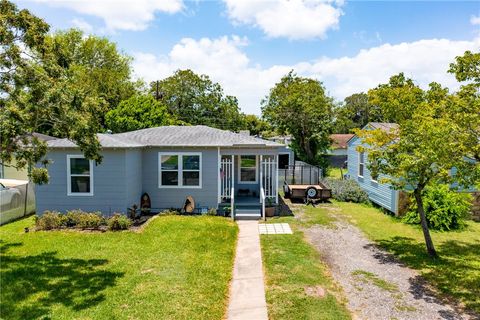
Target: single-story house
point(338, 153)
point(8, 170)
point(287, 156)
point(383, 194)
point(168, 163)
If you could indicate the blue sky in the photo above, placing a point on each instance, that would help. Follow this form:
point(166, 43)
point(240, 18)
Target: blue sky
point(248, 45)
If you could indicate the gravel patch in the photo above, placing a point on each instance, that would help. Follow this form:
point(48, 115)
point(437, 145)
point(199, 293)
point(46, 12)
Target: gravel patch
point(375, 284)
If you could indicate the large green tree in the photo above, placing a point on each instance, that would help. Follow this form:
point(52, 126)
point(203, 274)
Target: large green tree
point(138, 112)
point(95, 63)
point(466, 111)
point(37, 92)
point(300, 107)
point(424, 148)
point(257, 126)
point(197, 100)
point(355, 112)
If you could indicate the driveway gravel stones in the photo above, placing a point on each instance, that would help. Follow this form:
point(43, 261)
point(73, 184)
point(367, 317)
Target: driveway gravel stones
point(375, 284)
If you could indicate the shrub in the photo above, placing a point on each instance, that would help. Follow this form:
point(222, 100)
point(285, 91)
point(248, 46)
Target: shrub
point(444, 209)
point(212, 212)
point(84, 220)
point(346, 190)
point(49, 220)
point(119, 222)
point(170, 212)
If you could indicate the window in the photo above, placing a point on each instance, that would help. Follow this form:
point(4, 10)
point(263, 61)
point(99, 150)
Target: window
point(361, 163)
point(248, 169)
point(179, 170)
point(79, 176)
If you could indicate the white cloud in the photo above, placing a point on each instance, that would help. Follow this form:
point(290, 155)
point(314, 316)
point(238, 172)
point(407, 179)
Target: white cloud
point(120, 14)
point(225, 62)
point(293, 19)
point(475, 20)
point(82, 25)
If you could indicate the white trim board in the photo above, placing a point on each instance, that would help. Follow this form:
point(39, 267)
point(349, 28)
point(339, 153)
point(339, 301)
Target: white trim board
point(69, 177)
point(180, 169)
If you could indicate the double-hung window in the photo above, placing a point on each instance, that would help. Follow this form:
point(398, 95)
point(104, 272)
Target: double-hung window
point(79, 176)
point(248, 169)
point(180, 170)
point(361, 163)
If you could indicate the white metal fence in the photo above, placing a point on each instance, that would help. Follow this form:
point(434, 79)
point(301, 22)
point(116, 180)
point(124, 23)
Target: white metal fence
point(17, 199)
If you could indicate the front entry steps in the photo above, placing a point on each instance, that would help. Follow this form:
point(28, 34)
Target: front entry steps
point(248, 211)
point(247, 214)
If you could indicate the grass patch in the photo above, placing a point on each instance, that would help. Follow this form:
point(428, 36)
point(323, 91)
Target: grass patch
point(336, 173)
point(456, 273)
point(177, 267)
point(292, 266)
point(366, 276)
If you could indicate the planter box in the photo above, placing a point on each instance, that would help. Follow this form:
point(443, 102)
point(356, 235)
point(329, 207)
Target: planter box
point(270, 211)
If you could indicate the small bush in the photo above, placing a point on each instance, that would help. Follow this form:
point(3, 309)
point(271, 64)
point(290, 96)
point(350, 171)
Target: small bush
point(84, 220)
point(444, 209)
point(346, 190)
point(212, 212)
point(170, 212)
point(119, 222)
point(49, 220)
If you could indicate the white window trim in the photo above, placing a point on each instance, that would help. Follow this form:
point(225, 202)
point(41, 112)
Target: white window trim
point(180, 170)
point(239, 170)
point(69, 177)
point(363, 163)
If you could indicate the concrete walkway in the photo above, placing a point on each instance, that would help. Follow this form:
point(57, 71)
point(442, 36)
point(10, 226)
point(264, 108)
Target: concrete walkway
point(247, 290)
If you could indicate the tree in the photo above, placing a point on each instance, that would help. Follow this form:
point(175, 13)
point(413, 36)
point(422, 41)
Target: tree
point(138, 112)
point(36, 92)
point(196, 100)
point(257, 126)
point(355, 112)
point(466, 68)
point(300, 107)
point(424, 148)
point(96, 64)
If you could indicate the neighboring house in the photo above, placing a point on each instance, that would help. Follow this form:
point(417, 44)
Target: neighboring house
point(337, 154)
point(287, 156)
point(383, 194)
point(168, 163)
point(8, 170)
point(380, 193)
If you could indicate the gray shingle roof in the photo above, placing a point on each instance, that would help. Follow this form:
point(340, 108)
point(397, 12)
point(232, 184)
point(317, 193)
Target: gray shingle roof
point(173, 136)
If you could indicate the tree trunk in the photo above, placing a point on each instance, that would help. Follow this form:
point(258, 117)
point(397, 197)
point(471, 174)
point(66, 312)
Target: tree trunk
point(423, 221)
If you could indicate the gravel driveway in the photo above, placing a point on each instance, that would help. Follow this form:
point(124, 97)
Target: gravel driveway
point(376, 286)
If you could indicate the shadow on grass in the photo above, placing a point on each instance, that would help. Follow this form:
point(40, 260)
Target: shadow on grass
point(456, 272)
point(32, 285)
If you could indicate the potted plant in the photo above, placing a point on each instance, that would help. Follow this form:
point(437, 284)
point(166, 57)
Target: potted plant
point(227, 211)
point(269, 207)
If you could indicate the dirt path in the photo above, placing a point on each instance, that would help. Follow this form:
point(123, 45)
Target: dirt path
point(375, 284)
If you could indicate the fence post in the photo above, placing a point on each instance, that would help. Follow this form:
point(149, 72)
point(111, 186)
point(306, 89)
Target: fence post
point(25, 202)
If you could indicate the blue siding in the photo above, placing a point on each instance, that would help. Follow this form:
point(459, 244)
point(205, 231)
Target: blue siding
point(133, 176)
point(125, 174)
point(206, 196)
point(109, 185)
point(380, 193)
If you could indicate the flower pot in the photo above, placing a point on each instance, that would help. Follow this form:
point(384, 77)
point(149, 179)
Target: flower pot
point(269, 211)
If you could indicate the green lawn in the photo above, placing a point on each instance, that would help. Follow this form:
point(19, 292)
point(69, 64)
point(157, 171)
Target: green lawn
point(456, 273)
point(177, 267)
point(292, 269)
point(336, 173)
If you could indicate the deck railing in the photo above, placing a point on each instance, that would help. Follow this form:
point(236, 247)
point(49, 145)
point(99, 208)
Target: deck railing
point(232, 203)
point(262, 201)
